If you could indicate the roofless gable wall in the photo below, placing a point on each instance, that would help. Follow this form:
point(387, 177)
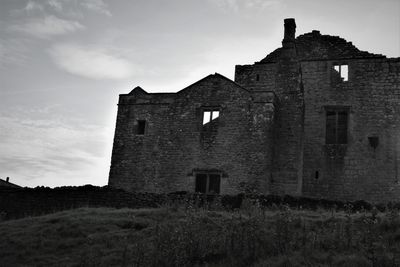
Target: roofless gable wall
point(178, 144)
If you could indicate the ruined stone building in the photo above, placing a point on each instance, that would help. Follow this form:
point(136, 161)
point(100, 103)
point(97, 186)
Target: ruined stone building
point(317, 117)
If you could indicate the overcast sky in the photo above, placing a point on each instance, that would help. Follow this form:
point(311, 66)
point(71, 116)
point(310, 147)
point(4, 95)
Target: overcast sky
point(64, 62)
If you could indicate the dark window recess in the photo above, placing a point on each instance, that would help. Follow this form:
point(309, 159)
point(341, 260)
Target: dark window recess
point(201, 183)
point(316, 175)
point(373, 141)
point(214, 183)
point(208, 183)
point(140, 127)
point(336, 127)
point(257, 77)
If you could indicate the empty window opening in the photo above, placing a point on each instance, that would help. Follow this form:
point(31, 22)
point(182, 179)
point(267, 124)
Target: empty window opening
point(201, 183)
point(336, 127)
point(316, 175)
point(214, 115)
point(373, 141)
point(206, 117)
point(208, 183)
point(209, 129)
point(141, 127)
point(210, 116)
point(257, 77)
point(343, 71)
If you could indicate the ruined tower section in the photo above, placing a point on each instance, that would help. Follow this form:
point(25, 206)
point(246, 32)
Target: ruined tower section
point(139, 142)
point(281, 73)
point(261, 134)
point(352, 123)
point(288, 152)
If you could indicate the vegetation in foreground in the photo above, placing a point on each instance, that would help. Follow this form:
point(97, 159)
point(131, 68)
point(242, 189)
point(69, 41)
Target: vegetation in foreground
point(184, 235)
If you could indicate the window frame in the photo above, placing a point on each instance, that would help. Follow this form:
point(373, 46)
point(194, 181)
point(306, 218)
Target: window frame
point(337, 139)
point(209, 130)
point(211, 110)
point(208, 174)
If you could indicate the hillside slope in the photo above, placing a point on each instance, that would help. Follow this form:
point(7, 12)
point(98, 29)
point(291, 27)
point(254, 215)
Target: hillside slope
point(186, 236)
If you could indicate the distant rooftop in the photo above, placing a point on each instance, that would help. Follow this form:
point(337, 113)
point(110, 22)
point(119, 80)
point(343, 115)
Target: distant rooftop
point(6, 183)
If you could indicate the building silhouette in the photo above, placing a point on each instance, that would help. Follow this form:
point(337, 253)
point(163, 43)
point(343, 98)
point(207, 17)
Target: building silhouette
point(317, 117)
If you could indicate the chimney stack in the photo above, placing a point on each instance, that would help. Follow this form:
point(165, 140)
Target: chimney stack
point(7, 179)
point(290, 33)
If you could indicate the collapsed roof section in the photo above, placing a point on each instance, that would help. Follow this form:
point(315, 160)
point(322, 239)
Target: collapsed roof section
point(315, 46)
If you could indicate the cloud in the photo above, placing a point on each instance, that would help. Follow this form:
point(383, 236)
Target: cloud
point(91, 62)
point(56, 4)
point(236, 5)
point(226, 4)
point(48, 26)
point(31, 5)
point(97, 6)
point(263, 4)
point(38, 147)
point(12, 51)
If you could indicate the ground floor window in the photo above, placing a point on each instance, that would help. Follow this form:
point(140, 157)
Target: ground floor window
point(208, 183)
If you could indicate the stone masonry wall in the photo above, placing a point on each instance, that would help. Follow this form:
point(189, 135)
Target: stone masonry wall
point(257, 77)
point(284, 79)
point(272, 126)
point(288, 138)
point(167, 156)
point(372, 94)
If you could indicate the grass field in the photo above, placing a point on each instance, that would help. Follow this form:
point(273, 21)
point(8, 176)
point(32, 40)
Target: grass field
point(188, 236)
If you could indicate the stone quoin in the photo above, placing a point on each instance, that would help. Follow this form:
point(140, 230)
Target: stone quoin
point(317, 117)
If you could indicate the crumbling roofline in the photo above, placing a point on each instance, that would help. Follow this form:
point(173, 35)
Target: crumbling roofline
point(142, 104)
point(329, 59)
point(342, 59)
point(143, 92)
point(174, 94)
point(199, 81)
point(169, 94)
point(218, 75)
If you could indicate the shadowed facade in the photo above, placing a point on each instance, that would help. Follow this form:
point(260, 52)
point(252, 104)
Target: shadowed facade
point(316, 117)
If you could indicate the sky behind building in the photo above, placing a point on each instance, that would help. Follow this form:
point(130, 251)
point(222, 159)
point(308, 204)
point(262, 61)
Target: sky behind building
point(64, 62)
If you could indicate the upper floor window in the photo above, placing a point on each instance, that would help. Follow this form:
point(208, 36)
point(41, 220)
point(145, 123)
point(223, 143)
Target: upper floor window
point(209, 128)
point(336, 126)
point(343, 71)
point(210, 117)
point(140, 127)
